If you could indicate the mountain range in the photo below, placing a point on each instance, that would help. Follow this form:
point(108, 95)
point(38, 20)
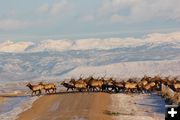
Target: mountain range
point(120, 57)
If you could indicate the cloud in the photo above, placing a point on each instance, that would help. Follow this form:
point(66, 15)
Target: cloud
point(58, 7)
point(139, 10)
point(87, 18)
point(116, 18)
point(43, 8)
point(10, 24)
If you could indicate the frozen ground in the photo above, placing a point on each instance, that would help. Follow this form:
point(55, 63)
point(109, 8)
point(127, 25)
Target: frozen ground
point(137, 107)
point(12, 106)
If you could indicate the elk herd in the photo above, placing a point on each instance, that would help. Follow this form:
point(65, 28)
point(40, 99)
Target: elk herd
point(92, 84)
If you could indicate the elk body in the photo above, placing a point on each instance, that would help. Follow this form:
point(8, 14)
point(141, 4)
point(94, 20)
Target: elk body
point(35, 88)
point(149, 87)
point(177, 87)
point(80, 86)
point(68, 85)
point(95, 85)
point(48, 87)
point(131, 86)
point(108, 85)
point(119, 86)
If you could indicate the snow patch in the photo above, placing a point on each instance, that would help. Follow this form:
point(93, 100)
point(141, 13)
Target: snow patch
point(137, 107)
point(13, 114)
point(129, 69)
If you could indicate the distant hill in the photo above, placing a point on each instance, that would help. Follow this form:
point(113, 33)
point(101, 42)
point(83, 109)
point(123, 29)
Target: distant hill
point(153, 54)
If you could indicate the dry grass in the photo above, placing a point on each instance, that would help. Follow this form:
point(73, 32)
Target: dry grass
point(112, 113)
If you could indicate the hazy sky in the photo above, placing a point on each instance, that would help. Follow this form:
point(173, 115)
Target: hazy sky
point(74, 19)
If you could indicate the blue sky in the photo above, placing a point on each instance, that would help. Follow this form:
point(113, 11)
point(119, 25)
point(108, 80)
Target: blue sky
point(24, 20)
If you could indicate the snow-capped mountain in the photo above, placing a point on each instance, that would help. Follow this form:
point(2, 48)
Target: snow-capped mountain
point(152, 40)
point(153, 54)
point(9, 46)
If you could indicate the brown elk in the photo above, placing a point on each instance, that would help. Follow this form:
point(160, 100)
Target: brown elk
point(48, 87)
point(109, 85)
point(81, 80)
point(68, 85)
point(79, 85)
point(177, 87)
point(119, 86)
point(145, 79)
point(131, 86)
point(95, 84)
point(176, 98)
point(144, 82)
point(35, 88)
point(149, 87)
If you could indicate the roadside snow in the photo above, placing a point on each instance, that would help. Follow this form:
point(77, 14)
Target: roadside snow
point(137, 107)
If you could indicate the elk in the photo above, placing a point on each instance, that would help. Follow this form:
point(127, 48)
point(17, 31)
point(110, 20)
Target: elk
point(142, 83)
point(176, 98)
point(145, 79)
point(35, 88)
point(108, 85)
point(119, 86)
point(79, 85)
point(131, 86)
point(68, 85)
point(80, 80)
point(177, 87)
point(48, 86)
point(149, 87)
point(95, 84)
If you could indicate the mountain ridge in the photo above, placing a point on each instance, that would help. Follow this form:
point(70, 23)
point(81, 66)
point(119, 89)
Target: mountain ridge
point(155, 39)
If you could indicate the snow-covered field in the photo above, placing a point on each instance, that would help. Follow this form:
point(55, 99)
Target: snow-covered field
point(130, 69)
point(137, 107)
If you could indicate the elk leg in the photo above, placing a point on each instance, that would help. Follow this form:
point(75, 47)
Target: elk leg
point(116, 89)
point(45, 90)
point(54, 90)
point(93, 89)
point(49, 90)
point(143, 91)
point(39, 92)
point(32, 93)
point(67, 89)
